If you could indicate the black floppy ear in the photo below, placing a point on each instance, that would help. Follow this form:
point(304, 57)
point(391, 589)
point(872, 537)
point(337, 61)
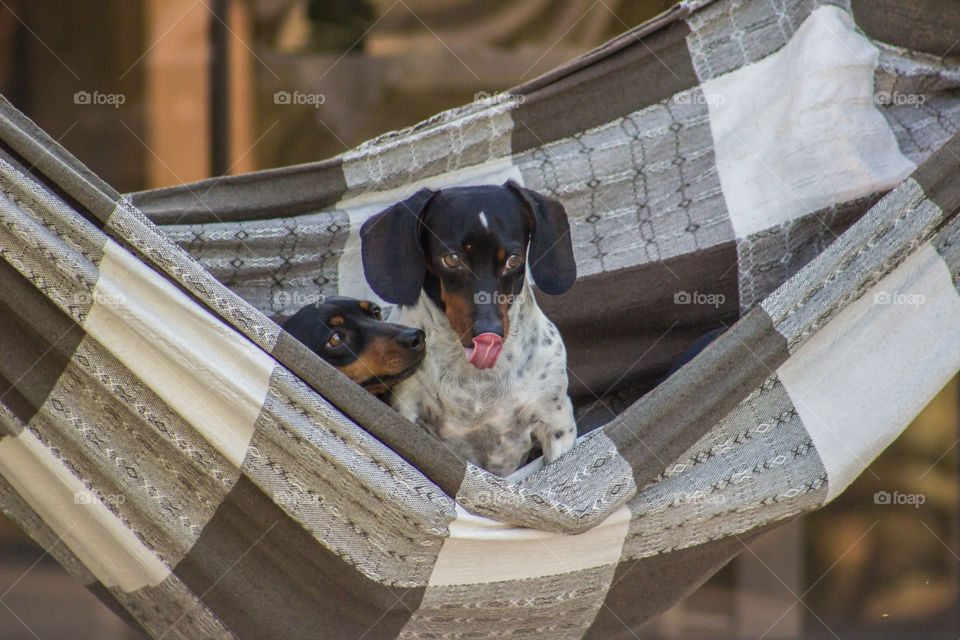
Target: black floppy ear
point(551, 251)
point(393, 259)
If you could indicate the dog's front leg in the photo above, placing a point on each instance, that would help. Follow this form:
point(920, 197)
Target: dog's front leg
point(557, 431)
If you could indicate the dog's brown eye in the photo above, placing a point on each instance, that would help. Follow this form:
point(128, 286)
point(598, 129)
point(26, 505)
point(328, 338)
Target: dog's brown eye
point(451, 260)
point(336, 339)
point(514, 261)
point(376, 313)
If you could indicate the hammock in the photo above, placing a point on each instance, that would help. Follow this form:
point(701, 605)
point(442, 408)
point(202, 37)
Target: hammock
point(759, 161)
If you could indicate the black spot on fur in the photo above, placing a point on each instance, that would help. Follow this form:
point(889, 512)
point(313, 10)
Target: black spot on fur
point(518, 431)
point(429, 418)
point(484, 439)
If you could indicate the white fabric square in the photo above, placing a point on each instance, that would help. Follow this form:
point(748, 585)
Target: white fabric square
point(78, 517)
point(483, 550)
point(799, 131)
point(209, 373)
point(860, 380)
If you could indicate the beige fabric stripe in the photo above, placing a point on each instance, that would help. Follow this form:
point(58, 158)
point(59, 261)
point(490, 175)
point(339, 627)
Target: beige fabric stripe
point(93, 533)
point(205, 370)
point(860, 380)
point(483, 550)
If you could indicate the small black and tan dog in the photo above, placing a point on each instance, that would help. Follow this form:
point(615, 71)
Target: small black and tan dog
point(350, 334)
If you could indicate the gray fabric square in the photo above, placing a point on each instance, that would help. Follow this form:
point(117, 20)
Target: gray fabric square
point(146, 241)
point(767, 259)
point(559, 606)
point(351, 492)
point(550, 499)
point(125, 441)
point(729, 34)
point(947, 244)
point(756, 466)
point(277, 265)
point(641, 189)
point(917, 94)
point(903, 220)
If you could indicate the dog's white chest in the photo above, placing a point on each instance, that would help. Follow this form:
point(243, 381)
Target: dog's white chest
point(491, 417)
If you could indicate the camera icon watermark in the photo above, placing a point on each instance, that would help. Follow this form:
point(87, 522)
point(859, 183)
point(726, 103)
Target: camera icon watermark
point(498, 97)
point(287, 299)
point(85, 298)
point(90, 497)
point(701, 498)
point(491, 498)
point(897, 99)
point(897, 498)
point(294, 500)
point(96, 98)
point(698, 298)
point(894, 297)
point(298, 98)
point(495, 297)
point(699, 97)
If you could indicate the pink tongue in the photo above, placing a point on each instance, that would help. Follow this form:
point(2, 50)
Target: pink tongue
point(485, 350)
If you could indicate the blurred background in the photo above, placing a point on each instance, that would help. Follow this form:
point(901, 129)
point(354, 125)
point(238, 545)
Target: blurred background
point(153, 93)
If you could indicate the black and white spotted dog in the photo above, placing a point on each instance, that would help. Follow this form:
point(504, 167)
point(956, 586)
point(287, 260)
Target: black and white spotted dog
point(494, 379)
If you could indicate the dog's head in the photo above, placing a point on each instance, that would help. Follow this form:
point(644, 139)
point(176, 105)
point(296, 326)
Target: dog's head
point(468, 248)
point(350, 335)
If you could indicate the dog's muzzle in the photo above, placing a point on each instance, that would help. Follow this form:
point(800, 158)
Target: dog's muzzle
point(485, 350)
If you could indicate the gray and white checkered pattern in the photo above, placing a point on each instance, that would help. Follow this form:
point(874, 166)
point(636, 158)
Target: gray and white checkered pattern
point(207, 475)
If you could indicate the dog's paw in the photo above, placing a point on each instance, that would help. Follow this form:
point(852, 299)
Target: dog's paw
point(559, 435)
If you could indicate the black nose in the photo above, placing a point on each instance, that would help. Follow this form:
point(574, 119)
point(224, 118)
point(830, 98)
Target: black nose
point(488, 323)
point(411, 339)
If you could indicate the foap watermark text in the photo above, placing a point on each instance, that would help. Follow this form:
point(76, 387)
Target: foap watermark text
point(286, 299)
point(498, 97)
point(699, 298)
point(897, 498)
point(897, 298)
point(897, 99)
point(699, 97)
point(495, 297)
point(99, 297)
point(312, 99)
point(96, 98)
point(91, 497)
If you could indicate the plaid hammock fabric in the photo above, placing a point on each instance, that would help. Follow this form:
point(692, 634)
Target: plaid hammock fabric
point(767, 162)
